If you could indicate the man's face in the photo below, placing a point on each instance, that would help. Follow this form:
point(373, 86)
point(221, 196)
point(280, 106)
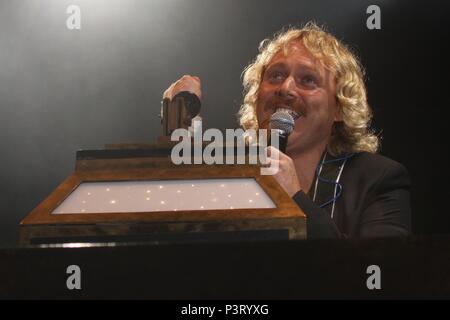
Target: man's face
point(299, 82)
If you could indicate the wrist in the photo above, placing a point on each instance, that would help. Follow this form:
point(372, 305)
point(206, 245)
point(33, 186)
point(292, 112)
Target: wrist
point(294, 192)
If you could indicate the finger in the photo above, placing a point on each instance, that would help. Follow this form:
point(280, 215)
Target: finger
point(181, 86)
point(188, 78)
point(273, 152)
point(168, 92)
point(271, 162)
point(185, 81)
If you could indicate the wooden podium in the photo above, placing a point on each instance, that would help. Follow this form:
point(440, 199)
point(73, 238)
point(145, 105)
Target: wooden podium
point(209, 214)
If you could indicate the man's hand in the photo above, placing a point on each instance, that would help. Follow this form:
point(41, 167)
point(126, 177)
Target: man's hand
point(286, 175)
point(185, 83)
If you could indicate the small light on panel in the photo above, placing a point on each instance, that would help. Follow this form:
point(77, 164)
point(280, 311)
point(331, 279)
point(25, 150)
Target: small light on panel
point(163, 202)
point(147, 198)
point(107, 189)
point(112, 201)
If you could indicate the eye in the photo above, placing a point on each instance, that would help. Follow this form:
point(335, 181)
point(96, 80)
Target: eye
point(276, 75)
point(309, 81)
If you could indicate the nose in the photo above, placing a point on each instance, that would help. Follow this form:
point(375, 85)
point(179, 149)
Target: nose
point(287, 89)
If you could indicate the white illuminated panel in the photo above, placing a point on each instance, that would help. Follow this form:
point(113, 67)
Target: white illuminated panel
point(165, 195)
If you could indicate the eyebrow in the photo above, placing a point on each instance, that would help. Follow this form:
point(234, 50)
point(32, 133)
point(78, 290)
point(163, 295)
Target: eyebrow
point(307, 66)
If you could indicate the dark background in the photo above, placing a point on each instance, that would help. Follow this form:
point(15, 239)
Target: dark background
point(63, 90)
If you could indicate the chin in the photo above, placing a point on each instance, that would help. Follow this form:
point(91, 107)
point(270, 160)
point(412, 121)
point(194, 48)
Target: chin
point(295, 147)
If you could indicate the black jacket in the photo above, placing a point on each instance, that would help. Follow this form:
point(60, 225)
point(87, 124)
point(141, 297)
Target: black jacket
point(374, 201)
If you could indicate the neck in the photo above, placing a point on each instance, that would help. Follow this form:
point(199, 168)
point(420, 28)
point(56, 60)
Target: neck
point(305, 163)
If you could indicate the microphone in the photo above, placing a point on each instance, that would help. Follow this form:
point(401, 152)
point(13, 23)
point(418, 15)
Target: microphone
point(283, 120)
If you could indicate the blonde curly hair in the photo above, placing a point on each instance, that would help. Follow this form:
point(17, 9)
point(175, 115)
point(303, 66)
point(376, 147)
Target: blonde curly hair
point(353, 134)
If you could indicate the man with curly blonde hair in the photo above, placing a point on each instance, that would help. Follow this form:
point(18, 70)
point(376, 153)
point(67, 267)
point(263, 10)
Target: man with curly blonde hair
point(330, 167)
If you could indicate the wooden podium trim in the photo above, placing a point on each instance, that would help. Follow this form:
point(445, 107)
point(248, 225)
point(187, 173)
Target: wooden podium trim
point(285, 207)
point(154, 164)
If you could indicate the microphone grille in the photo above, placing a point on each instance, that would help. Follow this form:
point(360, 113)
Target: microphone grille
point(283, 120)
